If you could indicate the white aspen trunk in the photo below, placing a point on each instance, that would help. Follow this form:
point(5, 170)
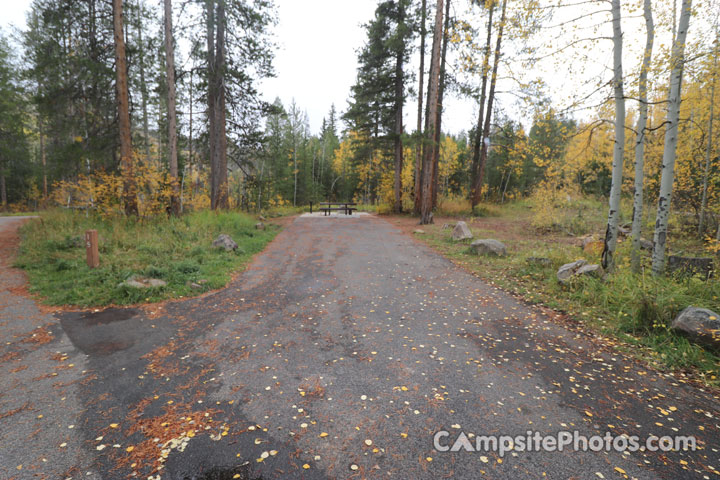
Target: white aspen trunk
point(708, 151)
point(640, 138)
point(669, 151)
point(619, 148)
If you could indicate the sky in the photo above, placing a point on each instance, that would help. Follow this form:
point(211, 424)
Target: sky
point(316, 60)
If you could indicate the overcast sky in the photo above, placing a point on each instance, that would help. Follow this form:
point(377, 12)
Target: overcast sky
point(316, 61)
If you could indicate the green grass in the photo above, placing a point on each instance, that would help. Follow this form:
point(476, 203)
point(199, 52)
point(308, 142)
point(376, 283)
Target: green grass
point(177, 251)
point(18, 214)
point(636, 309)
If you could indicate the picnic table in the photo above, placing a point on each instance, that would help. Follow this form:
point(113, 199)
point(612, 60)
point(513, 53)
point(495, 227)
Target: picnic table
point(328, 207)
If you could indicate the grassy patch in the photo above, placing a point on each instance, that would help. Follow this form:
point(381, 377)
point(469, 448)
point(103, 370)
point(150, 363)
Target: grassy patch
point(18, 214)
point(635, 308)
point(178, 251)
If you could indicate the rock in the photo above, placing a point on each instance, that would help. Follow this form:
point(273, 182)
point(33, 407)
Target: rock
point(545, 262)
point(576, 269)
point(224, 241)
point(419, 231)
point(461, 232)
point(592, 270)
point(565, 273)
point(700, 325)
point(260, 226)
point(690, 265)
point(446, 226)
point(194, 286)
point(261, 218)
point(646, 245)
point(594, 248)
point(140, 282)
point(488, 247)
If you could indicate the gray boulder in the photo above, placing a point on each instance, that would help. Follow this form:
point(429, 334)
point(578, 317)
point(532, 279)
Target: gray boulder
point(700, 325)
point(565, 273)
point(225, 242)
point(140, 282)
point(592, 270)
point(488, 246)
point(260, 226)
point(577, 269)
point(461, 232)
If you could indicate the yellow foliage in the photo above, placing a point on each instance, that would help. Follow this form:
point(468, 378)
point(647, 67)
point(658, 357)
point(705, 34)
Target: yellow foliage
point(102, 191)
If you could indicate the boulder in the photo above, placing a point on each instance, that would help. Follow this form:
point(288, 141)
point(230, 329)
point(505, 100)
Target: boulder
point(488, 246)
point(140, 282)
point(700, 325)
point(690, 265)
point(461, 232)
point(577, 269)
point(261, 218)
point(260, 226)
point(542, 261)
point(225, 242)
point(594, 248)
point(587, 240)
point(592, 270)
point(565, 272)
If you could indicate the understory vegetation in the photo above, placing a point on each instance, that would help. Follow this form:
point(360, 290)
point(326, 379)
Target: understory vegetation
point(634, 308)
point(178, 251)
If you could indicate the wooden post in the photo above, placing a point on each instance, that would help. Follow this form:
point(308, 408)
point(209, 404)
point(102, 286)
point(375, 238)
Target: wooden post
point(91, 248)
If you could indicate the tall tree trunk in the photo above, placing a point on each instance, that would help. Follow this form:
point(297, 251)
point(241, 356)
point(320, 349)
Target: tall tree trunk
point(295, 169)
point(172, 122)
point(485, 140)
point(441, 93)
point(418, 147)
point(3, 190)
point(619, 147)
point(399, 100)
point(221, 172)
point(211, 85)
point(43, 159)
point(191, 153)
point(708, 150)
point(431, 117)
point(143, 84)
point(481, 114)
point(127, 163)
point(677, 60)
point(640, 138)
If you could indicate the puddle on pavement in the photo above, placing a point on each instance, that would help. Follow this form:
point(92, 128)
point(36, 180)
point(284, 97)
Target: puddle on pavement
point(103, 317)
point(99, 333)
